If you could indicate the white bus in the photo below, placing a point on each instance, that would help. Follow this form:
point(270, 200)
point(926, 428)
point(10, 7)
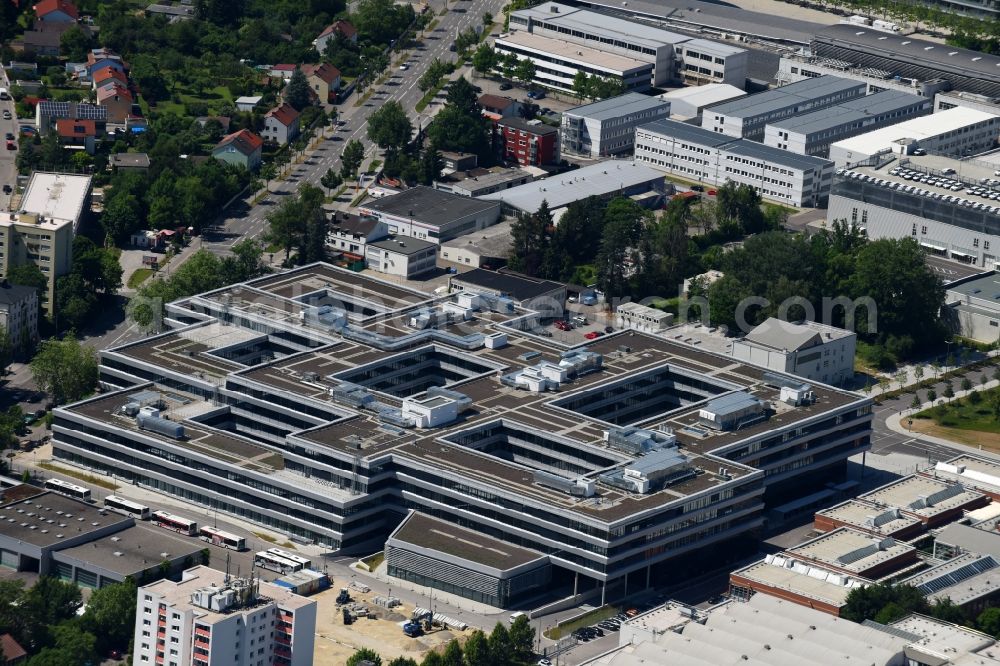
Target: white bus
point(305, 562)
point(220, 538)
point(128, 507)
point(275, 563)
point(175, 523)
point(67, 488)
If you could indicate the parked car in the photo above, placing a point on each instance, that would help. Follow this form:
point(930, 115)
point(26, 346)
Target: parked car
point(632, 612)
point(592, 335)
point(697, 188)
point(507, 86)
point(6, 114)
point(712, 193)
point(609, 329)
point(9, 136)
point(7, 189)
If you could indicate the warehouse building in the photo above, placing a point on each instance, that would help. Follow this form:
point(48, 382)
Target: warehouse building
point(795, 67)
point(748, 116)
point(924, 198)
point(55, 535)
point(562, 40)
point(971, 308)
point(812, 133)
point(909, 57)
point(698, 154)
point(956, 132)
point(431, 215)
point(327, 405)
point(604, 179)
point(807, 349)
point(608, 127)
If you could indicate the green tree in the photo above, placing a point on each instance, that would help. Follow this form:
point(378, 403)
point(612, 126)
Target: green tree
point(65, 369)
point(331, 180)
point(297, 92)
point(988, 622)
point(452, 655)
point(619, 249)
point(122, 216)
point(45, 605)
point(110, 616)
point(432, 659)
point(364, 654)
point(74, 44)
point(529, 241)
point(525, 71)
point(522, 640)
point(966, 384)
point(389, 128)
point(915, 403)
point(351, 159)
point(484, 59)
point(949, 391)
point(268, 172)
point(866, 603)
point(430, 165)
point(499, 645)
point(931, 395)
point(581, 84)
point(403, 661)
point(72, 646)
point(477, 649)
point(487, 19)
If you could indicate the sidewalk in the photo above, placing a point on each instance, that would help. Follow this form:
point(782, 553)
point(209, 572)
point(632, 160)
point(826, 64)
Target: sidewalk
point(927, 371)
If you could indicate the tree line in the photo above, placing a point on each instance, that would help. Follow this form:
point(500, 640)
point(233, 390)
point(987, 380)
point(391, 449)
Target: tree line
point(43, 619)
point(887, 602)
point(502, 647)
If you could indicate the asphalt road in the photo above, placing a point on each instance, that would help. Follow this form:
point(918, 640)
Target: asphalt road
point(401, 87)
point(8, 171)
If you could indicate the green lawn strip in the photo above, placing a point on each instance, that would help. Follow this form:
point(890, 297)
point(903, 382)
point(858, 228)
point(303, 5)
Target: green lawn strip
point(82, 476)
point(585, 620)
point(138, 277)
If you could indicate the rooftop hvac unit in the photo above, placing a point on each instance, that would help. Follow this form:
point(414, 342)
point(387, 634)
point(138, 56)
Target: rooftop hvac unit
point(161, 426)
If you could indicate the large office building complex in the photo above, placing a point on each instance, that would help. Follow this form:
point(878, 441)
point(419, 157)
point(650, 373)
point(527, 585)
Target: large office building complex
point(908, 57)
point(211, 618)
point(748, 116)
point(924, 198)
point(608, 127)
point(699, 154)
point(42, 231)
point(329, 405)
point(562, 40)
point(812, 133)
point(957, 132)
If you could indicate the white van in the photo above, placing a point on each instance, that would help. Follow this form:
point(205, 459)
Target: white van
point(514, 616)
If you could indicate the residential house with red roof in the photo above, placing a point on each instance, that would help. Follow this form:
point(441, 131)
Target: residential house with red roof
point(77, 133)
point(105, 74)
point(281, 124)
point(242, 148)
point(324, 79)
point(11, 652)
point(56, 11)
point(283, 71)
point(341, 27)
point(116, 98)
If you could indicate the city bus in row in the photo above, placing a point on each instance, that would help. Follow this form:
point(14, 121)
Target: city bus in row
point(220, 538)
point(67, 488)
point(175, 523)
point(304, 561)
point(268, 560)
point(127, 507)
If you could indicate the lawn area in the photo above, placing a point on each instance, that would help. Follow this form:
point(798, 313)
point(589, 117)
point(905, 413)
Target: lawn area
point(585, 620)
point(138, 277)
point(76, 474)
point(963, 421)
point(213, 98)
point(965, 415)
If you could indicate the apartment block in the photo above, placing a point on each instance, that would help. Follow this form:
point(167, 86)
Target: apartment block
point(563, 40)
point(608, 127)
point(210, 618)
point(748, 116)
point(527, 142)
point(42, 232)
point(708, 157)
point(812, 133)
